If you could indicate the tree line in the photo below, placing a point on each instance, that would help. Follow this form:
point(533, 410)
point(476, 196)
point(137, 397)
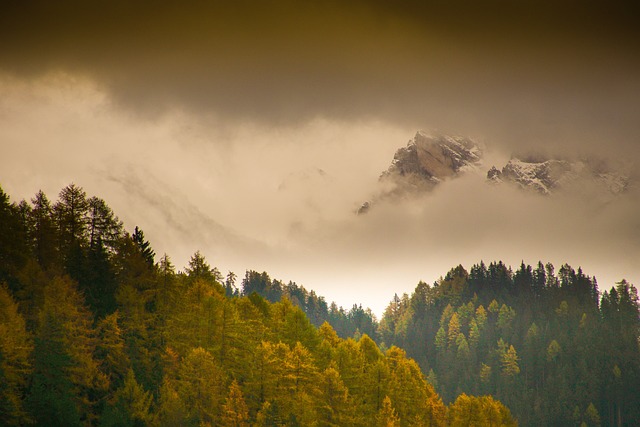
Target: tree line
point(95, 332)
point(545, 344)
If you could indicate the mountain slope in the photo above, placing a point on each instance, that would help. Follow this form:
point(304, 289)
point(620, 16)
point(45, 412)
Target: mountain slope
point(426, 161)
point(547, 176)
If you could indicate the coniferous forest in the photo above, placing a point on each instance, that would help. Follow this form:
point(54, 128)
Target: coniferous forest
point(98, 330)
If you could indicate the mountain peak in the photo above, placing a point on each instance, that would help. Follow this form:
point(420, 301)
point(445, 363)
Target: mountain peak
point(435, 157)
point(428, 159)
point(546, 176)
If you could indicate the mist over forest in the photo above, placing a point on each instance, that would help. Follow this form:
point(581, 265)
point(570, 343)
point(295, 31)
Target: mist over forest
point(333, 213)
point(99, 330)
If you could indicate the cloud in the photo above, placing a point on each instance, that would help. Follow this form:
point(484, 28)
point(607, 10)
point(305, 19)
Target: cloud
point(533, 72)
point(466, 220)
point(204, 124)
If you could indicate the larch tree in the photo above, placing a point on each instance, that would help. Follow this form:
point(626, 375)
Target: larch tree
point(15, 361)
point(387, 415)
point(129, 407)
point(200, 384)
point(67, 378)
point(235, 412)
point(111, 351)
point(509, 362)
point(334, 406)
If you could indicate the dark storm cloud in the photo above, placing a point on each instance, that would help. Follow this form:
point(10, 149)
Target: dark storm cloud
point(231, 108)
point(456, 65)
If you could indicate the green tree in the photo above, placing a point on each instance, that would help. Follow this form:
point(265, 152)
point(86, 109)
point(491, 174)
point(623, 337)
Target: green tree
point(102, 224)
point(130, 406)
point(144, 246)
point(13, 242)
point(199, 268)
point(66, 378)
point(553, 350)
point(71, 212)
point(43, 232)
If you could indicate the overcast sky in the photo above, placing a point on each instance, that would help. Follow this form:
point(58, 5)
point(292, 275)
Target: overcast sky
point(253, 133)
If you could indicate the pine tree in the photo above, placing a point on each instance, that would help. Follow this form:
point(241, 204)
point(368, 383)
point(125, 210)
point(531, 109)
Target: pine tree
point(199, 268)
point(14, 249)
point(43, 232)
point(71, 212)
point(102, 224)
point(144, 246)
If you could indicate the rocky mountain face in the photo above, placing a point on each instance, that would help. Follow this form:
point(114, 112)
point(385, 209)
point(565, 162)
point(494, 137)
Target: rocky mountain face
point(429, 159)
point(426, 161)
point(433, 158)
point(547, 176)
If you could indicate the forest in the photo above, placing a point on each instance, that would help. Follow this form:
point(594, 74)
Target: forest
point(95, 331)
point(545, 344)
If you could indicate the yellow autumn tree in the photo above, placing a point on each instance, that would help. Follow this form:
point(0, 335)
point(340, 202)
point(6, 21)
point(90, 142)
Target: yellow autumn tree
point(15, 361)
point(200, 386)
point(481, 411)
point(387, 416)
point(234, 411)
point(334, 403)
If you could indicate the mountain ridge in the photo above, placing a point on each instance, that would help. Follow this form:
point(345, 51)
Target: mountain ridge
point(431, 158)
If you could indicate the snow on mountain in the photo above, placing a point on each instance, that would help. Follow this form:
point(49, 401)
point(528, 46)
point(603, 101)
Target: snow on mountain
point(548, 176)
point(427, 160)
point(435, 157)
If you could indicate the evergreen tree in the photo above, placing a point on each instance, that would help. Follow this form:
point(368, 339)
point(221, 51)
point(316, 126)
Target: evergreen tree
point(144, 246)
point(43, 232)
point(71, 212)
point(130, 406)
point(13, 242)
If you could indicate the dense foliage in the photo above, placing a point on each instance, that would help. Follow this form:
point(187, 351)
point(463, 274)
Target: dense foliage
point(349, 323)
point(95, 332)
point(543, 343)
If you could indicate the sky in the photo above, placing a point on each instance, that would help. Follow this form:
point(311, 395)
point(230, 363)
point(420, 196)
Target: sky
point(253, 132)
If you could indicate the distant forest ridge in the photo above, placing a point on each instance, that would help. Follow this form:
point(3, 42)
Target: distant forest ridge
point(95, 331)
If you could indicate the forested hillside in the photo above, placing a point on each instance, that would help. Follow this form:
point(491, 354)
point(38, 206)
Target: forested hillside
point(95, 332)
point(543, 343)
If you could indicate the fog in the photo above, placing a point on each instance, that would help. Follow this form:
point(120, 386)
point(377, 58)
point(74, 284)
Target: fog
point(254, 133)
